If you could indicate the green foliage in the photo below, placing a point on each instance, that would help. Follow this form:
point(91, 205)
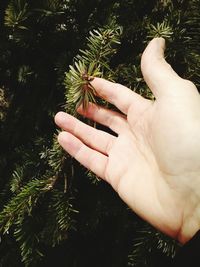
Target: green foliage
point(148, 240)
point(55, 156)
point(100, 45)
point(4, 104)
point(57, 226)
point(24, 73)
point(23, 202)
point(16, 14)
point(28, 239)
point(51, 8)
point(80, 91)
point(91, 62)
point(93, 178)
point(160, 30)
point(17, 178)
point(42, 187)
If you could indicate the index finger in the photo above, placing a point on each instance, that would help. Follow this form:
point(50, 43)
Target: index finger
point(117, 94)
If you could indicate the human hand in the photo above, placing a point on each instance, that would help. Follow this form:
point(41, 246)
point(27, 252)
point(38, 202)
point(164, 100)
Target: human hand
point(154, 162)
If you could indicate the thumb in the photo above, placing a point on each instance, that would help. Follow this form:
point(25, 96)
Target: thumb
point(158, 74)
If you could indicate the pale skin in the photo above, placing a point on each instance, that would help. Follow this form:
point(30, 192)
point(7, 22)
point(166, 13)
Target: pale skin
point(154, 162)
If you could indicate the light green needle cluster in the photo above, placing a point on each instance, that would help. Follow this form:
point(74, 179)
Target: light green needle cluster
point(91, 62)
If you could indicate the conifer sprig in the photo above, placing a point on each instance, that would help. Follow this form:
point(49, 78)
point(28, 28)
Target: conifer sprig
point(78, 80)
point(23, 202)
point(57, 226)
point(146, 241)
point(16, 14)
point(28, 239)
point(90, 63)
point(162, 29)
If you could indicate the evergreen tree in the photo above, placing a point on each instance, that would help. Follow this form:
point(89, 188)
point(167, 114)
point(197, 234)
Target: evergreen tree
point(51, 207)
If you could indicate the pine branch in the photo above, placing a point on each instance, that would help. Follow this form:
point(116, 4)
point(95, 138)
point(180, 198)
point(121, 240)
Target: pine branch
point(59, 216)
point(160, 30)
point(16, 14)
point(149, 240)
point(26, 233)
point(91, 62)
point(78, 81)
point(23, 202)
point(17, 178)
point(130, 75)
point(55, 156)
point(52, 8)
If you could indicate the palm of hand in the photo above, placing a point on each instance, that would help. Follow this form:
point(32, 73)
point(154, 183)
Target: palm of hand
point(152, 162)
point(156, 154)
